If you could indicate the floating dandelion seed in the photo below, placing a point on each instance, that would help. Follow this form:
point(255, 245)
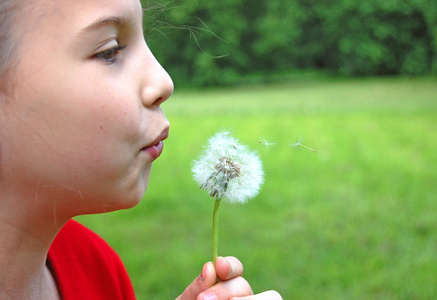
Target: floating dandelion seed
point(228, 170)
point(266, 143)
point(301, 145)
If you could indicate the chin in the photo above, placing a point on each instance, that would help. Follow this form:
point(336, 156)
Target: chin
point(128, 205)
point(122, 203)
point(130, 195)
point(125, 200)
point(135, 196)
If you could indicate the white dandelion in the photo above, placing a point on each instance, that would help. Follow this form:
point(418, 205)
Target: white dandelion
point(228, 170)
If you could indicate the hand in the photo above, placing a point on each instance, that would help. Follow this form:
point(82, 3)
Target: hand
point(230, 286)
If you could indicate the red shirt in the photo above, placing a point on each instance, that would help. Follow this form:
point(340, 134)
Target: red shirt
point(85, 267)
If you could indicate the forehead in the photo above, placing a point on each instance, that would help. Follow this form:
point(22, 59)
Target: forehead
point(76, 14)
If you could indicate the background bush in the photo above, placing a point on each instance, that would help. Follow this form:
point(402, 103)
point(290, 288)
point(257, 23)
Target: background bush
point(205, 43)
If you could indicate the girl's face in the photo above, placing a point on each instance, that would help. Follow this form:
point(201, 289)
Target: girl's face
point(83, 123)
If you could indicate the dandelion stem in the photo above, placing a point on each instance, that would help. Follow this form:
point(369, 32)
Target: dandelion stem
point(215, 231)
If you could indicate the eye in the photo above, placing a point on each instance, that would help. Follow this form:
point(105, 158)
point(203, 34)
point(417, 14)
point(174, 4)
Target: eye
point(110, 55)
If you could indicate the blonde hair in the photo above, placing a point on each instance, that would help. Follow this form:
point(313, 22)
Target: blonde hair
point(8, 43)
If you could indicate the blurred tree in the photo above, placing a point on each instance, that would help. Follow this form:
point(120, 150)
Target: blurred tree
point(203, 42)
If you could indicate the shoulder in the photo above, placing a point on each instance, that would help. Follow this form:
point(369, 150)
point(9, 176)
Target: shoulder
point(76, 237)
point(80, 259)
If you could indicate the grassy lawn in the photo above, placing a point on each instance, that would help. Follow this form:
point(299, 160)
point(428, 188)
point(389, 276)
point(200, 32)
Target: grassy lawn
point(357, 220)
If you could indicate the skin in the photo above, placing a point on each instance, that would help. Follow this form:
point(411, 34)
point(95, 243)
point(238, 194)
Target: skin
point(73, 131)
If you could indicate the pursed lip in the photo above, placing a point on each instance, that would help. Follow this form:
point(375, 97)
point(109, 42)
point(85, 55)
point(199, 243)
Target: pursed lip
point(154, 149)
point(160, 138)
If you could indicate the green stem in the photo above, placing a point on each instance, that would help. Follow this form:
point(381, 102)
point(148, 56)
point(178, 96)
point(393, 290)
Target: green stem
point(215, 231)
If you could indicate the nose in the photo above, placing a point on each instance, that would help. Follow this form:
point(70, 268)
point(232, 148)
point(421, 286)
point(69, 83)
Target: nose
point(157, 85)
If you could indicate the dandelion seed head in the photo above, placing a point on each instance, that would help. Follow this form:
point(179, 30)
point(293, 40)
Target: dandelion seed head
point(228, 169)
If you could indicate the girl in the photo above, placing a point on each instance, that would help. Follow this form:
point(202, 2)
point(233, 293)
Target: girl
point(80, 126)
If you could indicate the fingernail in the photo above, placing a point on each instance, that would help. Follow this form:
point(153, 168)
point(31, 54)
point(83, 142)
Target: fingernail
point(231, 268)
point(203, 273)
point(209, 296)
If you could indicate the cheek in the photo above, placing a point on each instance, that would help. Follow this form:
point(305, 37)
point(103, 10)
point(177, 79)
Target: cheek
point(102, 151)
point(75, 134)
point(80, 181)
point(105, 151)
point(86, 150)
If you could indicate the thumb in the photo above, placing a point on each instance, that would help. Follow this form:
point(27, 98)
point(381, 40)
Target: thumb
point(204, 281)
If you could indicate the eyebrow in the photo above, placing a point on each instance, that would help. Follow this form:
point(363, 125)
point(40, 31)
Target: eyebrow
point(105, 21)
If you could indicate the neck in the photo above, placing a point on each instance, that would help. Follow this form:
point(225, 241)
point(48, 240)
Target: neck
point(25, 238)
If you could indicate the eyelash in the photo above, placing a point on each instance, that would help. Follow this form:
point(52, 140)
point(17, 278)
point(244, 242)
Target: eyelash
point(110, 55)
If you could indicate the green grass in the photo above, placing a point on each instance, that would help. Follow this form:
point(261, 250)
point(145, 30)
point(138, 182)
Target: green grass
point(357, 220)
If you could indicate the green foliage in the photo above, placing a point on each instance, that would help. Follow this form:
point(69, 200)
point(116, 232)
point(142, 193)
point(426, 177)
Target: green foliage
point(357, 220)
point(204, 43)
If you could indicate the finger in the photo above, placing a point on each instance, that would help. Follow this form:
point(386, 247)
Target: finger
point(205, 280)
point(228, 267)
point(224, 290)
point(269, 295)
